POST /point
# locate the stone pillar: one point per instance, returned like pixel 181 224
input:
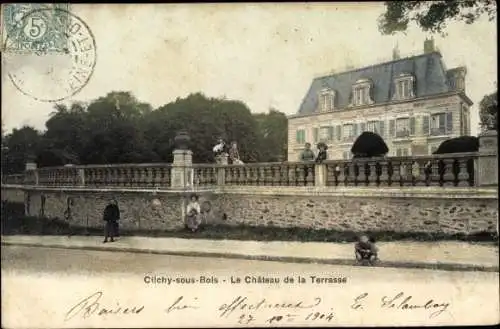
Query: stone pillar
pixel 81 176
pixel 320 174
pixel 487 162
pixel 182 169
pixel 222 160
pixel 30 171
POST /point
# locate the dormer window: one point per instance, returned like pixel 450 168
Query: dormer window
pixel 404 87
pixel 361 93
pixel 326 100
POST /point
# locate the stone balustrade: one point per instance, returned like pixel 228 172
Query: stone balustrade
pixel 271 174
pixel 458 169
pixel 154 175
pixel 17 179
pixel 437 170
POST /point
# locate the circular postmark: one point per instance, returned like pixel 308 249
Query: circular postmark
pixel 50 54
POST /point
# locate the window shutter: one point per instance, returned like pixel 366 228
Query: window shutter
pixel 382 128
pixel 330 133
pixel 315 134
pixel 298 136
pixel 392 128
pixel 363 127
pixel 412 126
pixel 449 122
pixel 355 129
pixel 339 133
pixel 426 125
pixel 398 152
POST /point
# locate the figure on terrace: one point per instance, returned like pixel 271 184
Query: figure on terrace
pixel 193 214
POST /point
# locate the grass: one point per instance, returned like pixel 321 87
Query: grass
pixel 14 222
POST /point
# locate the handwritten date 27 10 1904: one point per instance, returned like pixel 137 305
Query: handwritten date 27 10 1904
pixel 243 310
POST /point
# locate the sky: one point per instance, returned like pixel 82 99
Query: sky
pixel 265 55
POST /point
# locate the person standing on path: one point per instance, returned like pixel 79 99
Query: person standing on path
pixel 111 216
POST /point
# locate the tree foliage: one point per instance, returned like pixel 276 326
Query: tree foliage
pixel 433 16
pixel 118 128
pixel 488 112
pixel 273 132
pixel 19 147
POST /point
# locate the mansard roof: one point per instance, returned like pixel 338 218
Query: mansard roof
pixel 429 71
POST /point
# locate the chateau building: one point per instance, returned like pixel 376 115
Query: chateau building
pixel 414 103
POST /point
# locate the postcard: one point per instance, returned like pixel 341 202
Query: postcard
pixel 249 165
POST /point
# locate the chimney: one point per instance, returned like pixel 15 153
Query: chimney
pixel 429 46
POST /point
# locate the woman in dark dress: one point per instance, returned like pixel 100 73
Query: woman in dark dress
pixel 322 155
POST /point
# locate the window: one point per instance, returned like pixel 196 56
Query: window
pixel 433 148
pixel 346 155
pixel 441 124
pixel 404 87
pixel 326 100
pixel 301 136
pixel 402 152
pixel 361 93
pixel 331 133
pixel 348 132
pixel 372 126
pixel 324 134
pixel 403 127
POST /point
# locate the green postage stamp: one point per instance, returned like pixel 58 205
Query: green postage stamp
pixel 35 28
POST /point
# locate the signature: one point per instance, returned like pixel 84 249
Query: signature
pixel 242 303
pixel 91 306
pixel 179 305
pixel 403 302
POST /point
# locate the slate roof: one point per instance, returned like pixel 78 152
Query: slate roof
pixel 428 70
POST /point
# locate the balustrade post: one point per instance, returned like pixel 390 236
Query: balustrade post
pixel 462 176
pixel 486 166
pixel 31 169
pixel 448 177
pixel 384 172
pixel 373 177
pixel 81 176
pixel 221 170
pixel 320 174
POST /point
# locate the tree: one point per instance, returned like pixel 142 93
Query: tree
pixel 65 138
pixel 114 131
pixel 432 16
pixel 205 120
pixel 20 146
pixel 118 128
pixel 273 135
pixel 369 144
pixel 488 112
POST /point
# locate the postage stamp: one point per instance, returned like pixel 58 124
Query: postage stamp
pixel 49 53
pixel 35 27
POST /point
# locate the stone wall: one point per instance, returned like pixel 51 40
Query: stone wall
pixel 446 210
pixel 360 214
pixel 85 207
